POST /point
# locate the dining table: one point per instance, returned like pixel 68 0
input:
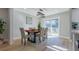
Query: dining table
pixel 33 32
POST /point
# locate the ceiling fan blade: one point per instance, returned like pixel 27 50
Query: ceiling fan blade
pixel 45 9
pixel 41 9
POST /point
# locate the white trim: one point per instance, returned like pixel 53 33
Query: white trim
pixel 13 40
pixel 73 42
pixel 68 38
pixel 58 18
pixel 58 25
pixel 16 38
pixel 65 37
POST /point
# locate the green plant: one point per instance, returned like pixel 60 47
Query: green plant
pixel 2 26
pixel 39 25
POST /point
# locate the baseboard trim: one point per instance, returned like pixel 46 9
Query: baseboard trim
pixel 65 37
pixel 14 39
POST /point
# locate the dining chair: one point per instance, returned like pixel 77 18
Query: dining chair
pixel 24 36
pixel 41 39
pixel 45 32
pixel 40 35
pixel 31 36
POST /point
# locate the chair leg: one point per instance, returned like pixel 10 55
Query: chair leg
pixel 24 41
pixel 39 39
pixel 21 40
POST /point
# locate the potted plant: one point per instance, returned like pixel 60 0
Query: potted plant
pixel 2 27
pixel 39 25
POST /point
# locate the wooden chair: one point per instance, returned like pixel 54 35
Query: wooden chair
pixel 41 39
pixel 39 36
pixel 42 35
pixel 24 37
pixel 45 33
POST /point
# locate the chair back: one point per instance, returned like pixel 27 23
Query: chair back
pixel 46 30
pixel 42 31
pixel 22 32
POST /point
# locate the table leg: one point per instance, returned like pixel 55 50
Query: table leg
pixel 34 37
pixel 28 37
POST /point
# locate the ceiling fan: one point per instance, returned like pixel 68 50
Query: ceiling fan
pixel 40 13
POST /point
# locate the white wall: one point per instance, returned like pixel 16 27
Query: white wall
pixel 19 20
pixel 75 15
pixel 65 23
pixel 11 26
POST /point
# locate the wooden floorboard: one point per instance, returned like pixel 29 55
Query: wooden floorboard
pixel 17 46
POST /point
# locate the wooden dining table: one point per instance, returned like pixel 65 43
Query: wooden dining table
pixel 34 32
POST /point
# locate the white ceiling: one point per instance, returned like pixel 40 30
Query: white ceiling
pixel 47 11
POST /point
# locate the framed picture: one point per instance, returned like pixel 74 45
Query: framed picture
pixel 28 20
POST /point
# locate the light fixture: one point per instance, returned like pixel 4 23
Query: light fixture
pixel 40 13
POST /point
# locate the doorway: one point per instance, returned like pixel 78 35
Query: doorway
pixel 53 27
pixel 54 42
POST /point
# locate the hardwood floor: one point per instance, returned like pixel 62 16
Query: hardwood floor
pixel 59 44
pixel 53 44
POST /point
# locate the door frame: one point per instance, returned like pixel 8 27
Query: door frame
pixel 51 18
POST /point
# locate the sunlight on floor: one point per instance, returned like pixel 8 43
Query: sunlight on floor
pixel 57 48
pixel 49 47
